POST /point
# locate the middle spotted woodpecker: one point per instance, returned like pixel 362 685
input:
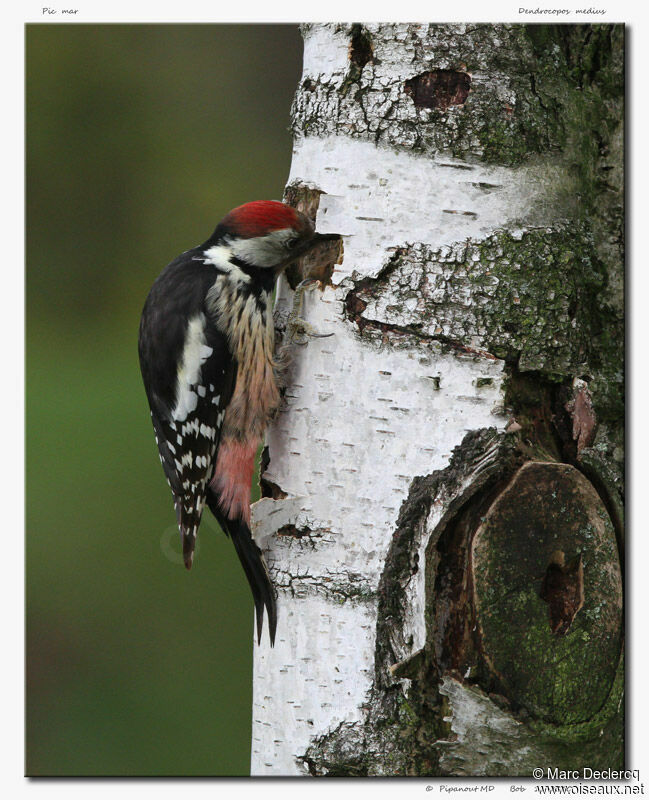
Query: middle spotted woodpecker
pixel 206 349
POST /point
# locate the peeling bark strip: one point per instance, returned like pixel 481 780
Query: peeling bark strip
pixel 322 263
pixel 474 173
pixel 583 415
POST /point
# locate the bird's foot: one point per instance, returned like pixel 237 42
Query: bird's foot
pixel 298 330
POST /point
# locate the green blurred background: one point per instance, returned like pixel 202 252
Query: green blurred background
pixel 139 139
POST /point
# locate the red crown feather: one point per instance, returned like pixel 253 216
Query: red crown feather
pixel 261 217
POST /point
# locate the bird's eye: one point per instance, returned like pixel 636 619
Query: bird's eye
pixel 290 243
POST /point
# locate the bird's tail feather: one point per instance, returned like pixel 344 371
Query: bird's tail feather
pixel 253 565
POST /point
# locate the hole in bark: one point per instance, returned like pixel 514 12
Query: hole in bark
pixel 268 488
pixel 264 461
pixel 563 591
pixel 354 307
pixel 320 262
pixel 293 532
pixel 361 46
pixel 440 88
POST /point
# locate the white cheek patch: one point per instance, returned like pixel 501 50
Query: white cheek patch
pixel 195 353
pixel 263 251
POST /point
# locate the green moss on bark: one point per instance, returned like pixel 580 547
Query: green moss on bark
pixel 533 299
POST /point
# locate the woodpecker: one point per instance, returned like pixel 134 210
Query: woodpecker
pixel 207 355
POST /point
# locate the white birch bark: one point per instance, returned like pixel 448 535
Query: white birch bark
pixel 366 414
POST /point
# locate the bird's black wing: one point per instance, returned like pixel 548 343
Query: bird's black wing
pixel 189 377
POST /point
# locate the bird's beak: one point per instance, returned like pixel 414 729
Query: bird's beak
pixel 310 244
pixel 324 237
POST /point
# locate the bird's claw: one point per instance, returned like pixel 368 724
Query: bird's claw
pixel 306 285
pixel 298 330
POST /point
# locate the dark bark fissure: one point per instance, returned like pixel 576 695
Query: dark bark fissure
pixel 390 332
pixel 453 639
pixel 563 591
pixel 360 52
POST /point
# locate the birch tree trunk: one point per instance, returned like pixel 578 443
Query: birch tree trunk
pixel 441 507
